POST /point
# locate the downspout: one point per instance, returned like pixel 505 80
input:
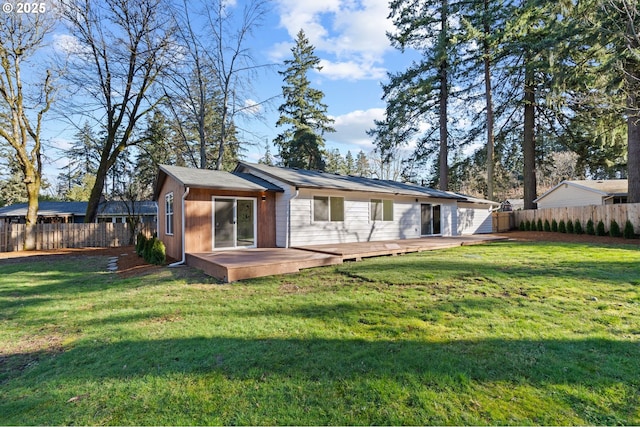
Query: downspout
pixel 182 215
pixel 289 218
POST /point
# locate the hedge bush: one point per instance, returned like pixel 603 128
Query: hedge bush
pixel 521 227
pixel 533 225
pixel 156 254
pixel 562 227
pixel 629 232
pixel 614 229
pixel 547 226
pixel 527 225
pixel 539 225
pixel 554 226
pixel 577 227
pixel 141 241
pixel 591 229
pixel 600 231
pixel 570 227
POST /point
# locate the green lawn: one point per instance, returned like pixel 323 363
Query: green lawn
pixel 507 333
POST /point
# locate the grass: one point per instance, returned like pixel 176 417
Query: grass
pixel 507 333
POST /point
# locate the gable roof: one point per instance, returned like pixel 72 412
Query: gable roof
pixel 206 178
pixel 605 188
pixel 302 178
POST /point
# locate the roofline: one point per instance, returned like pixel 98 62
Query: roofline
pixel 395 193
pixel 573 184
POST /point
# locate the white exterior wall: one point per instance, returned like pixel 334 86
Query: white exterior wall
pixel 568 195
pixel 474 219
pixel 282 208
pixel 357 226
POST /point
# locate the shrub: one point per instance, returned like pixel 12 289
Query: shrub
pixel 614 229
pixel 547 226
pixel 527 225
pixel 562 227
pixel 156 252
pixel 141 241
pixel 577 227
pixel 533 225
pixel 600 231
pixel 539 225
pixel 521 227
pixel 570 227
pixel 590 228
pixel 629 232
pixel 554 226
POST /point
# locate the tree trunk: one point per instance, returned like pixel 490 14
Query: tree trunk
pixel 633 141
pixel 529 143
pixel 33 188
pixel 489 100
pixel 443 157
pixel 96 194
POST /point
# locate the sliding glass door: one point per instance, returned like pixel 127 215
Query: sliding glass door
pixel 234 223
pixel 430 219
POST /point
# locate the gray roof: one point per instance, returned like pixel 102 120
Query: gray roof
pixel 206 178
pixel 604 187
pixel 322 180
pixel 52 209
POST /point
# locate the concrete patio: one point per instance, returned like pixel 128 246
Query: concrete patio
pixel 234 265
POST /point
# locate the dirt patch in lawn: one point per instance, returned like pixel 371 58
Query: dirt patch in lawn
pixel 546 236
pixel 129 263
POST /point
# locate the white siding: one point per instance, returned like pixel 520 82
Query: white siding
pixel 282 208
pixel 357 225
pixel 474 219
pixel 569 195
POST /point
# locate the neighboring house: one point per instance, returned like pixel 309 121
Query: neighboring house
pixel 585 193
pixel 265 206
pixel 74 212
pixel 510 205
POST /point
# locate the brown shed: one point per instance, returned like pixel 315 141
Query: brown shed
pixel 222 210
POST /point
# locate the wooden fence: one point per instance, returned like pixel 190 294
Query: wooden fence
pixel 605 213
pixel 502 221
pixel 59 236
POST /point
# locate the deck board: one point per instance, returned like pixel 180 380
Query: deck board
pixel 234 265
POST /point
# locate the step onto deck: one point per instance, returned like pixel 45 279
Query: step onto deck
pixel 231 266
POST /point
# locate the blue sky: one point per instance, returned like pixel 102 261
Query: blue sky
pixel 349 37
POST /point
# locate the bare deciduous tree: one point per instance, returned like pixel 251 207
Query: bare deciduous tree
pixel 122 46
pixel 23 103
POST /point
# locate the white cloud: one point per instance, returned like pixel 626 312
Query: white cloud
pixel 351 129
pixel 251 107
pixel 351 70
pixel 350 36
pixel 66 44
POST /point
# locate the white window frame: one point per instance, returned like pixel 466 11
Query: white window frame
pixel 381 202
pixel 168 214
pixel 329 210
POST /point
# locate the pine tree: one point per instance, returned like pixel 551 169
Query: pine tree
pixel 303 111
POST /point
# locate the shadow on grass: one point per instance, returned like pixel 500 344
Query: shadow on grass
pixel 592 364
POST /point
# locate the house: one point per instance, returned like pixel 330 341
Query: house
pixel 74 212
pixel 585 193
pixel 260 206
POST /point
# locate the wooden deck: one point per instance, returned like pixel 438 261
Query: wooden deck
pixel 357 251
pixel 230 266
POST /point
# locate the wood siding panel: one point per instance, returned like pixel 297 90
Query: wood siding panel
pixel 199 207
pixel 172 243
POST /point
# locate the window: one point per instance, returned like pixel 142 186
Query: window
pixel 381 210
pixel 168 213
pixel 328 208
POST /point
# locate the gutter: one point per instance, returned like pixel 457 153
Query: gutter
pixel 184 254
pixel 288 245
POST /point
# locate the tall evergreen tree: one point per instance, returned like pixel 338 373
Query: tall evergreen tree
pixel 303 111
